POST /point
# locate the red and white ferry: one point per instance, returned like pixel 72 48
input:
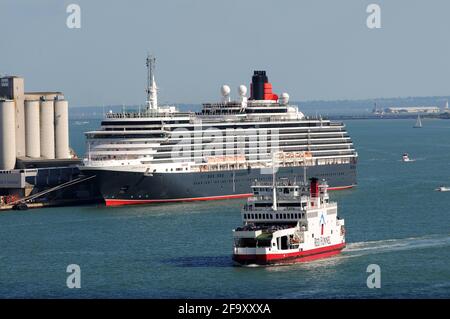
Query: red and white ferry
pixel 286 222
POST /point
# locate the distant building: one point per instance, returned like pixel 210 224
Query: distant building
pixel 413 109
pixel 445 108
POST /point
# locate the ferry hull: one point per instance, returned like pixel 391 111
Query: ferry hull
pixel 131 188
pixel 288 258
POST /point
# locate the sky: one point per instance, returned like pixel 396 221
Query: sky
pixel 314 50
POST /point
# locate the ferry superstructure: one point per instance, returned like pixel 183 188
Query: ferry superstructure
pixel 163 155
pixel 288 222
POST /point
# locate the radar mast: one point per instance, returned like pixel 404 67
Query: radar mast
pixel 152 95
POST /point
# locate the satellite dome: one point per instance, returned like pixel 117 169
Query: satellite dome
pixel 225 89
pixel 242 90
pixel 284 98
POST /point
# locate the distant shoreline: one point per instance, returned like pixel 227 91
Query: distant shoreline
pixel 442 116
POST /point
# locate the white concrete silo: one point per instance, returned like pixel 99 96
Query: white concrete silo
pixel 47 129
pixel 32 130
pixel 62 129
pixel 7 134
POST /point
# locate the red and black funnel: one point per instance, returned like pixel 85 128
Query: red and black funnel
pixel 260 88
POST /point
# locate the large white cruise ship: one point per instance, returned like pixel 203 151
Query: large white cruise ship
pixel 162 155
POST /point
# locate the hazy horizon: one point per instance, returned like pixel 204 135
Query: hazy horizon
pixel 314 50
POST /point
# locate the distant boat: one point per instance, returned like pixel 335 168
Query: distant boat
pixel 405 158
pixel 81 122
pixel 418 122
pixel 443 189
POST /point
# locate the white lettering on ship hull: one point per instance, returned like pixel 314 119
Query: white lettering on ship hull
pixel 322 241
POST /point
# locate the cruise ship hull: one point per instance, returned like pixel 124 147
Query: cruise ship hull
pixel 130 188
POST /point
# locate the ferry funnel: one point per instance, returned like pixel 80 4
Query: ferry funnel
pixel 314 187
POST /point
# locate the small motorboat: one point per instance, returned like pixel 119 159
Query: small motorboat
pixel 405 158
pixel 443 189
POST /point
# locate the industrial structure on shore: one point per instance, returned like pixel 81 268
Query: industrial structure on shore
pixel 404 110
pixel 34 145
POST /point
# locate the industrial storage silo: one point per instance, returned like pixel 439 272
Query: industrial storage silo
pixel 7 134
pixel 47 129
pixel 62 129
pixel 32 130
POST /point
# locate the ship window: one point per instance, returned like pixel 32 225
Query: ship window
pixel 284 242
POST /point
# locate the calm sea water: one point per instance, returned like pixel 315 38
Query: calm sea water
pixel 394 219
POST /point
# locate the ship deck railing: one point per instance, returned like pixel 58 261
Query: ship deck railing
pixel 146 114
pixel 281 183
pixel 283 197
pixel 265 227
pixel 279 209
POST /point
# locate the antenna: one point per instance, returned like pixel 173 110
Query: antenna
pixel 152 99
pixel 304 173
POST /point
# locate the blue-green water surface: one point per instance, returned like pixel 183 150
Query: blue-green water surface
pixel 394 219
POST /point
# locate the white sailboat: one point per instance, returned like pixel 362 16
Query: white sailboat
pixel 418 122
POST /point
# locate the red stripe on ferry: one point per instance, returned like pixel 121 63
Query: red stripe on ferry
pixel 308 255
